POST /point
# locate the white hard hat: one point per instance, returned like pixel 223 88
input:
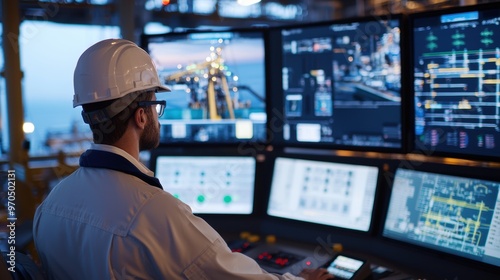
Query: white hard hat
pixel 111 69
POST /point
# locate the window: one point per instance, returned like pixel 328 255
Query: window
pixel 49 53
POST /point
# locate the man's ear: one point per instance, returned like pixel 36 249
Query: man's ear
pixel 140 118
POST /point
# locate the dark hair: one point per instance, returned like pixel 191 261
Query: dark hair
pixel 110 131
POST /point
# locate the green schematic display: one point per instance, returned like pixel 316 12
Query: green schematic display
pixel 209 184
pixel 456 61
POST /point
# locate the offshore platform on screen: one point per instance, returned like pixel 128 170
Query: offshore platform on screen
pixel 218 86
pixel 209 88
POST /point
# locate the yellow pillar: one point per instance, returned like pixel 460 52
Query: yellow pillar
pixel 13 76
pixel 18 156
pixel 212 103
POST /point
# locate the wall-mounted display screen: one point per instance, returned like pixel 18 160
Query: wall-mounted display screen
pixel 209 184
pixel 341 84
pixel 456 80
pixel 218 82
pixel 328 193
pixel 456 215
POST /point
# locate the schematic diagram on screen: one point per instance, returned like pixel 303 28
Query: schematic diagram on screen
pixel 445 211
pixel 456 82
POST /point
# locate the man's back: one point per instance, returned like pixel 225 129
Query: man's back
pixel 104 224
pixel 91 208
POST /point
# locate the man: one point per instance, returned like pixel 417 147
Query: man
pixel 111 219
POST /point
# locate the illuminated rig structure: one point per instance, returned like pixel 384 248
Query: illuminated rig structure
pixel 215 96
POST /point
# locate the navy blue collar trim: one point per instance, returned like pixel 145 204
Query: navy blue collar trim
pixel 108 160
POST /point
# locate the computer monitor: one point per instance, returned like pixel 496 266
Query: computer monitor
pixel 328 193
pixel 218 82
pixel 341 84
pixel 452 214
pixel 456 81
pixel 209 184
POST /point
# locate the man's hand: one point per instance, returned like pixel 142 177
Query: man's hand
pixel 315 274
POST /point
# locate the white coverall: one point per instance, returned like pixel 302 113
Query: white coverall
pixel 100 223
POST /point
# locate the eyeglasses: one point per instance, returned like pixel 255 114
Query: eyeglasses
pixel 159 105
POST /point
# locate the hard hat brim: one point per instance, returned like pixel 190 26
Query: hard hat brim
pixel 162 88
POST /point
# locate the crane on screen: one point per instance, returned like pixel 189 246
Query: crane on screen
pixel 214 71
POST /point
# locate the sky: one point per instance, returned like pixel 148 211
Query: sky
pixel 237 51
pixel 49 53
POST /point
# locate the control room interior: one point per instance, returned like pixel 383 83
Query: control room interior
pixel 317 130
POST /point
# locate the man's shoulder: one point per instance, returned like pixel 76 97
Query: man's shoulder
pixel 109 201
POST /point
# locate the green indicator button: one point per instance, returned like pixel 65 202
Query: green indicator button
pixel 228 199
pixel 201 198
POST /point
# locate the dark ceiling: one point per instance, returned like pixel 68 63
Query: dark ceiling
pixel 83 12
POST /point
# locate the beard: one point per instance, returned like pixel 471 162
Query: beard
pixel 150 138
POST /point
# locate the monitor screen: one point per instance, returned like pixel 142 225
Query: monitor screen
pixel 218 82
pixel 456 215
pixel 328 193
pixel 341 84
pixel 456 82
pixel 209 184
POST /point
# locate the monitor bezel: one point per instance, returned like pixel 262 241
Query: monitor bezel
pixel 324 156
pixel 468 171
pixel 413 146
pixel 278 117
pixel 145 38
